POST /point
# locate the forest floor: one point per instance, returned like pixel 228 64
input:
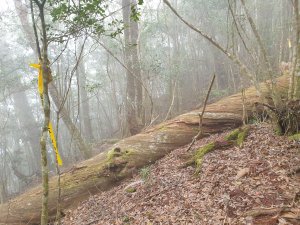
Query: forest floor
pixel 235 186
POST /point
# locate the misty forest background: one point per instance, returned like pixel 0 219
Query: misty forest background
pixel 116 79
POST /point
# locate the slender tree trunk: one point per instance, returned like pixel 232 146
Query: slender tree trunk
pixel 295 86
pixel 28 124
pixel 136 67
pixel 131 117
pixel 53 92
pixel 113 93
pixel 84 104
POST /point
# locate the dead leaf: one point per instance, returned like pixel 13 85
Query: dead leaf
pixel 243 172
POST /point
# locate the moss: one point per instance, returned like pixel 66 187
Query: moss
pixel 163 128
pixel 233 135
pixel 295 137
pixel 130 190
pixel 278 130
pixel 238 135
pixel 242 136
pixel 198 156
pixel 145 173
pixel 116 161
pixel 126 219
pixel 116 152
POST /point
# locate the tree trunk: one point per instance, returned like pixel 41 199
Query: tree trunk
pixel 108 168
pixel 131 116
pixel 84 103
pixel 22 11
pixel 136 67
pixel 28 124
pixel 295 87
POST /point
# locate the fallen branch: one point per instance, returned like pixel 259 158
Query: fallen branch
pixel 200 133
pixel 268 211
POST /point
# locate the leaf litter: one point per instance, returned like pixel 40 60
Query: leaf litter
pixel 234 187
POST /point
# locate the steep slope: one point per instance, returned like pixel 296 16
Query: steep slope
pixel 234 187
pixel 109 168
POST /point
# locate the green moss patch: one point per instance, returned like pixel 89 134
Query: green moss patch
pixel 242 136
pixel 117 159
pixel 233 135
pixel 200 153
pixel 295 137
pixel 238 135
pixel 130 190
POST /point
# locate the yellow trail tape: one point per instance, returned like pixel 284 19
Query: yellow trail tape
pixel 53 140
pixel 50 128
pixel 40 77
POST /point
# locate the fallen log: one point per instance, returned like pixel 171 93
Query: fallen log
pixel 108 168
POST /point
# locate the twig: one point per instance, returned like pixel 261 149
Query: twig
pixel 267 211
pixel 202 113
pixel 172 102
pixel 245 119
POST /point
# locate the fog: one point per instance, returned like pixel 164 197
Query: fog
pixel 113 84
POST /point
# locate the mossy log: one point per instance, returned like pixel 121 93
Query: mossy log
pixel 238 135
pixel 197 158
pixel 108 168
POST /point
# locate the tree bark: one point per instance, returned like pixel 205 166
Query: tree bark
pixel 105 171
pixel 136 66
pixel 295 87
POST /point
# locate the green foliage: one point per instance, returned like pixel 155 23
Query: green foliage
pixel 88 16
pixel 145 173
pixel 135 14
pixel 93 87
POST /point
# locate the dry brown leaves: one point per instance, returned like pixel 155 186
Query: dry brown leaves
pixel 232 182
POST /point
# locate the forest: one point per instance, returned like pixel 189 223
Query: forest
pixel 149 112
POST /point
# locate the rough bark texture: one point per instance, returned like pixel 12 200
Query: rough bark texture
pixel 108 168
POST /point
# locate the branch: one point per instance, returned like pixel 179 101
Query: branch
pixel 130 73
pixel 202 113
pixel 259 41
pixel 35 30
pixel 232 57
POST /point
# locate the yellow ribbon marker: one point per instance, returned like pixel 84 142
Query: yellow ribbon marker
pixel 50 128
pixel 53 140
pixel 40 77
